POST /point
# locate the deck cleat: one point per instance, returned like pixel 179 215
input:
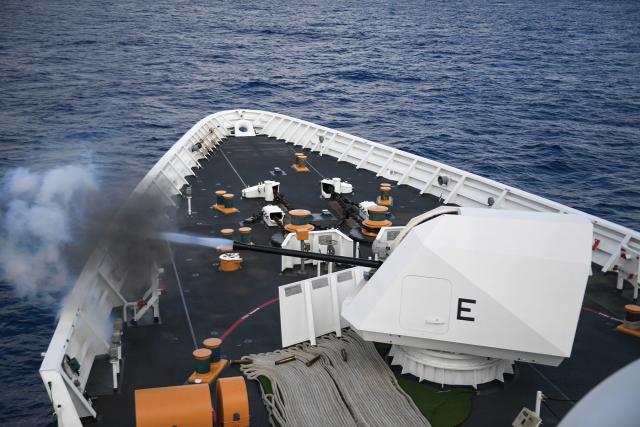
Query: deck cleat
pixel 631 325
pixel 219 199
pixel 385 199
pixel 300 163
pixel 202 373
pixel 245 234
pixel 227 207
pixel 216 364
pixel 230 261
pixel 300 226
pixel 227 233
pixel 376 220
pixel 299 221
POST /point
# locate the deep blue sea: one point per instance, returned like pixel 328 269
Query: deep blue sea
pixel 541 95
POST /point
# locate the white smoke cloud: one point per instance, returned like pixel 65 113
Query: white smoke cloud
pixel 39 211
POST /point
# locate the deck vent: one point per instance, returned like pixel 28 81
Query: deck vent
pixel 443 180
pixel 491 201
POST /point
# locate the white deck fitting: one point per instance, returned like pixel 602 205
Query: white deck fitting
pixel 339 186
pixel 98 288
pixel 343 246
pixel 262 190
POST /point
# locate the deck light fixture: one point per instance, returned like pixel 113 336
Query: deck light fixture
pixel 443 180
pixel 188 193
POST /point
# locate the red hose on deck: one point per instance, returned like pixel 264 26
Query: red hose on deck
pixel 599 313
pixel 246 316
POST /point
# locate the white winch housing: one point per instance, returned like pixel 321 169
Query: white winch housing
pixel 334 185
pixel 271 215
pixel 267 190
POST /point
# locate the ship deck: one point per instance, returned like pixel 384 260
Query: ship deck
pixel 202 302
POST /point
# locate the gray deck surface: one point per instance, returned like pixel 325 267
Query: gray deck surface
pixel 160 354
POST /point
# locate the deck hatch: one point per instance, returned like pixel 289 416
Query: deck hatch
pixel 425 304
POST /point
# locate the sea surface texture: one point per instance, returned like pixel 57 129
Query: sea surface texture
pixel 540 95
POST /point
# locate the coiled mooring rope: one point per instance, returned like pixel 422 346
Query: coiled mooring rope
pixel 358 391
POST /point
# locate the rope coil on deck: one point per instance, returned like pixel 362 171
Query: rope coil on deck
pixel 358 391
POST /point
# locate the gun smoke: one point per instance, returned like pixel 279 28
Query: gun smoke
pixel 53 220
pixel 188 239
pixel 39 210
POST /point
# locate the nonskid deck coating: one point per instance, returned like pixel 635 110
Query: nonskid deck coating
pixel 160 354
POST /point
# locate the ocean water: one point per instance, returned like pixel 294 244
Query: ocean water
pixel 541 95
